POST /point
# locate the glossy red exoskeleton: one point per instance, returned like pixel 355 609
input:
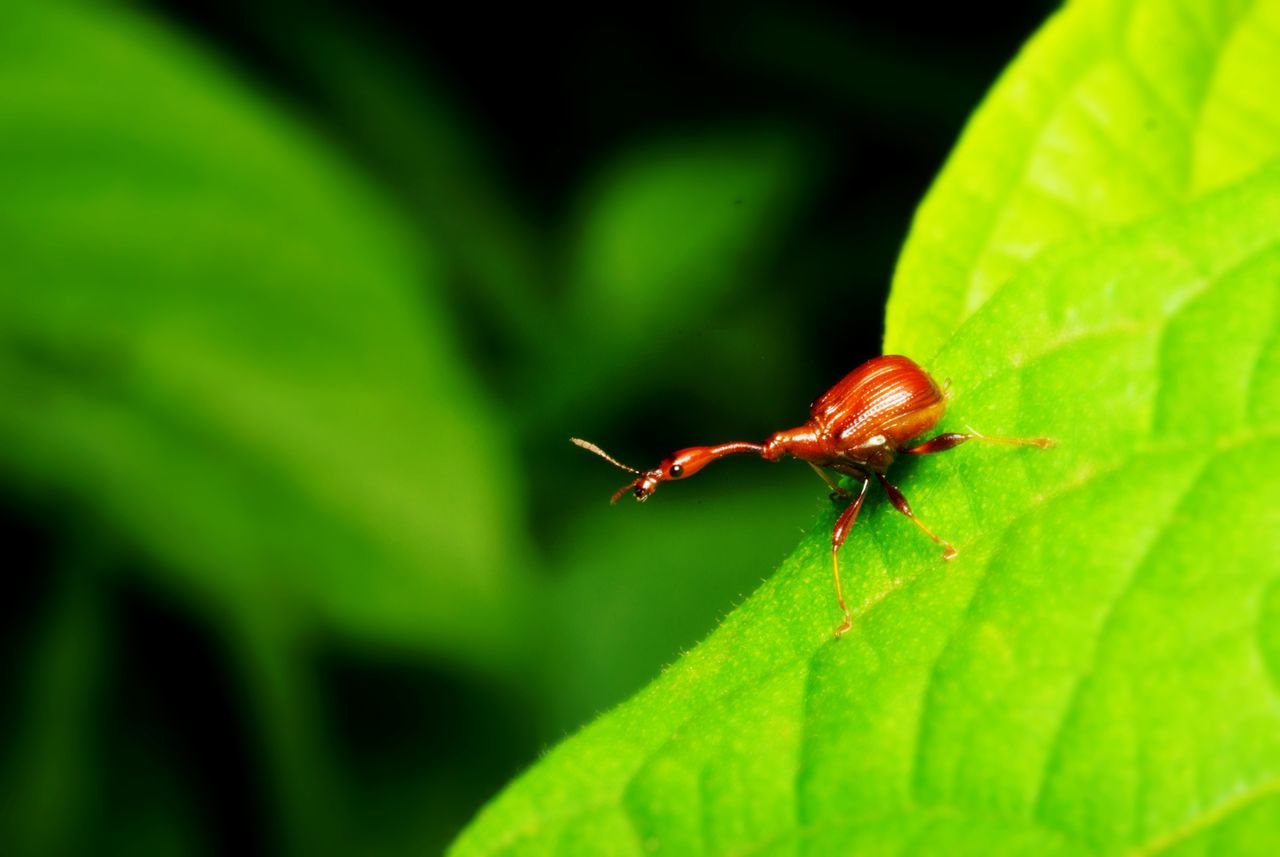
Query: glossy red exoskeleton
pixel 855 429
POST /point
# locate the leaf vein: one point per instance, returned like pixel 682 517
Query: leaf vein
pixel 1105 627
pixel 1205 820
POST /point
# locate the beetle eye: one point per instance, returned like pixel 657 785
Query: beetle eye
pixel 675 471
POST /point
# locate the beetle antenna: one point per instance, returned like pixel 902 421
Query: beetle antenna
pixel 591 447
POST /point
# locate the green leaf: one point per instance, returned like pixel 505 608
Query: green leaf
pixel 214 336
pixel 45 811
pixel 430 155
pixel 664 235
pixel 1117 112
pixel 678 219
pixel 1099 670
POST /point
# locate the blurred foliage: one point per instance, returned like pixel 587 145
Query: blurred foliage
pixel 1096 673
pixel 300 305
pixel 230 350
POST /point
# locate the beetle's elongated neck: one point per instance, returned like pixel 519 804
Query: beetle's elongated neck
pixel 689 461
pixel 734 448
pixel 685 462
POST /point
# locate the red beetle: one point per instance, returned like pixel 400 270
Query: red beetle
pixel 855 429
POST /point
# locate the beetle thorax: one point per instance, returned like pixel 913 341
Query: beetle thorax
pixel 803 442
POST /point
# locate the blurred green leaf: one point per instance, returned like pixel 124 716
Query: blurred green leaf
pixel 309 809
pixel 434 159
pixel 1100 669
pixel 665 233
pixel 668 229
pixel 47 773
pixel 214 336
pixel 1119 112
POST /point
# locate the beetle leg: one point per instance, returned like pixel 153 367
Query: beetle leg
pixel 951 440
pixel 844 524
pixel 900 503
pixel 838 494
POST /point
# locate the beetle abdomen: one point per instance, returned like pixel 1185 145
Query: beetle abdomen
pixel 889 395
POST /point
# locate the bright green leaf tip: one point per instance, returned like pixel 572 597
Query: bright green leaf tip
pixel 1100 669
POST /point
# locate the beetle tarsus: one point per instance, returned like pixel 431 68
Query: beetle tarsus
pixel 845 625
pixel 951 440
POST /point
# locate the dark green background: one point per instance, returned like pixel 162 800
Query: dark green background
pixel 160 745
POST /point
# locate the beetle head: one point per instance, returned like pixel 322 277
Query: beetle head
pixel 681 465
pixel 642 487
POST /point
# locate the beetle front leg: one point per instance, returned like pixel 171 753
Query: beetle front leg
pixel 951 440
pixel 844 524
pixel 900 503
pixel 838 494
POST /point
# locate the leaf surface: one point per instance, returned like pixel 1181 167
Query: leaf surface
pixel 1116 112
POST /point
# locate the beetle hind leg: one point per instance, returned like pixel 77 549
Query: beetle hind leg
pixel 951 440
